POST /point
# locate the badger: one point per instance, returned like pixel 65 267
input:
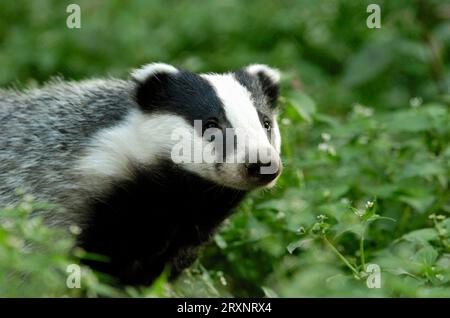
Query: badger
pixel 102 152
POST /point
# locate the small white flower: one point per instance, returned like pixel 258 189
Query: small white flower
pixel 223 281
pixel 332 151
pixel 415 102
pixel 362 110
pixel 300 230
pixel 325 136
pixel 369 204
pixel 323 147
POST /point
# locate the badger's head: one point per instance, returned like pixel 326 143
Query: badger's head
pixel 222 127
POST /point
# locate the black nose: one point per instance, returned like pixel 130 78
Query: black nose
pixel 263 172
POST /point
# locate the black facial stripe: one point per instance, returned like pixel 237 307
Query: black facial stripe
pixel 185 94
pixel 254 85
pixel 271 89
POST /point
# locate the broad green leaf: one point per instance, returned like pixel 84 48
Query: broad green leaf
pixel 420 203
pixel 421 236
pixel 426 255
pixel 303 104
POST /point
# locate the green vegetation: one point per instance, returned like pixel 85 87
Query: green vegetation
pixel 365 123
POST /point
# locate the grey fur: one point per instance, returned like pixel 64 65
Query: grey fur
pixel 45 131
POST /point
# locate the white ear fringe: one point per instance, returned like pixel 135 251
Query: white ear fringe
pixel 144 72
pixel 272 73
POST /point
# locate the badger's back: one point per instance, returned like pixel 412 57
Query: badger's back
pixel 44 131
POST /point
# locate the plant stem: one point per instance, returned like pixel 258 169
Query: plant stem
pixel 361 250
pixel 342 257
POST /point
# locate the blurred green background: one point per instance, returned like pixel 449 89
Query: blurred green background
pixel 365 125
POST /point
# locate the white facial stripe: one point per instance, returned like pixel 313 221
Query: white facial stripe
pixel 239 108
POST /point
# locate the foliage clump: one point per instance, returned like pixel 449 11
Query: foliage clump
pixel 365 125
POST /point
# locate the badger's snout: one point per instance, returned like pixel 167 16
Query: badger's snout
pixel 263 170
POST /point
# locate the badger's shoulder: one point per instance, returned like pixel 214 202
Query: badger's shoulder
pixel 46 129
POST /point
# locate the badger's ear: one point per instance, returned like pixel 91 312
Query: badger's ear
pixel 152 83
pixel 269 79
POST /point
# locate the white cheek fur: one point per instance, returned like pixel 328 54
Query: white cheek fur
pixel 140 139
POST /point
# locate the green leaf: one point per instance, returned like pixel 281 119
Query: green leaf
pixel 420 203
pixel 399 272
pixel 342 228
pixel 377 217
pixel 421 236
pixel 269 293
pixel 298 244
pixel 406 121
pixel 426 255
pixel 220 241
pixel 303 104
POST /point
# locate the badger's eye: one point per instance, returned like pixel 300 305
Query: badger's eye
pixel 210 124
pixel 267 125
